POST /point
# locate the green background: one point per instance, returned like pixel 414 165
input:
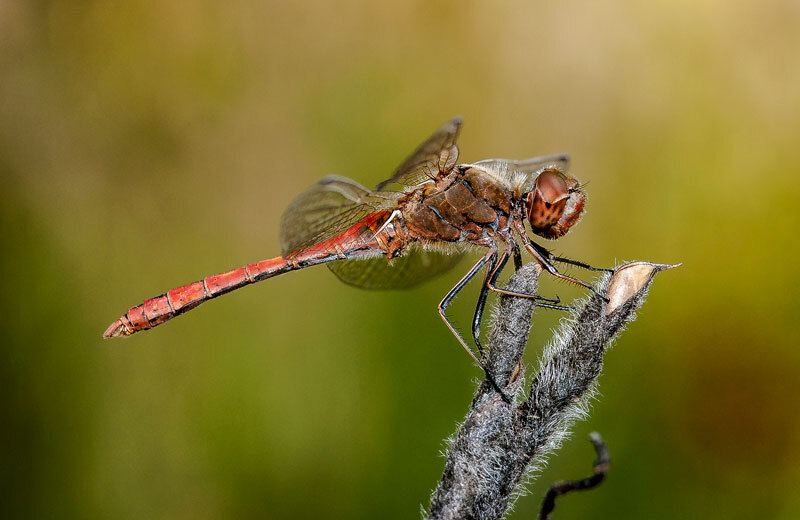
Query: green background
pixel 145 144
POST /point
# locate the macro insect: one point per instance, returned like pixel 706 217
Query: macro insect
pixel 411 227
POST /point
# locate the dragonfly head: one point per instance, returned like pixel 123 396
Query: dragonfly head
pixel 554 204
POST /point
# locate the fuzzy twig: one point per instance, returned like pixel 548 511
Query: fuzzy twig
pixel 499 442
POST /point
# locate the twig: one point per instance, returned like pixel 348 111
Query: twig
pixel 498 442
pixel 600 468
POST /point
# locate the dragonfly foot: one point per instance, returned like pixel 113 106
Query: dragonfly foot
pixel 555 307
pixel 490 378
pixel 554 301
pixel 604 298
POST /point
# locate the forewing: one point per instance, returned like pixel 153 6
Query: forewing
pixel 528 167
pixel 438 153
pixel 406 271
pixel 326 209
pixel 536 164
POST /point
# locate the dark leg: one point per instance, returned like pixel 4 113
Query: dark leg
pixel 517 255
pixel 544 259
pixel 490 284
pixel 550 256
pixel 449 298
pixel 476 320
pixel 580 264
pixel 493 271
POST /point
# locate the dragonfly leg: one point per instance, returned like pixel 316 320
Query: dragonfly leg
pixel 451 294
pixel 570 261
pixel 581 264
pixel 493 271
pixel 476 321
pixel 540 301
pixel 544 259
pixel 517 255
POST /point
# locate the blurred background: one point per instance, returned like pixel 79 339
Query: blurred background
pixel 146 144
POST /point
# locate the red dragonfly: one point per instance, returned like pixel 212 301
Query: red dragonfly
pixel 411 227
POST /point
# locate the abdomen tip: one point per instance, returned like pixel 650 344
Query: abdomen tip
pixel 117 329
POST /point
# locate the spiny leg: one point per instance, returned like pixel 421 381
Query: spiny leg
pixel 550 256
pixel 547 264
pixel 493 271
pixel 555 272
pixel 451 294
pixel 582 265
pixel 490 284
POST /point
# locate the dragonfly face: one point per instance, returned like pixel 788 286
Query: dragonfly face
pixel 554 204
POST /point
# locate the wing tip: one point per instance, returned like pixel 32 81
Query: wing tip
pixel 455 123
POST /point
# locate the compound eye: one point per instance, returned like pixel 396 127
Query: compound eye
pixel 551 186
pixel 547 200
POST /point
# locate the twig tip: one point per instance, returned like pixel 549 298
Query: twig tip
pixel 628 279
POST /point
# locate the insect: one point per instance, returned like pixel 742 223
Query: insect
pixel 411 227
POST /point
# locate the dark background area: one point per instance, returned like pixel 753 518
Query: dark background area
pixel 144 145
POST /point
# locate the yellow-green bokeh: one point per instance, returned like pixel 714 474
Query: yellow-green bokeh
pixel 145 144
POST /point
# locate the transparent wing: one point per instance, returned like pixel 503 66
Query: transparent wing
pixel 406 271
pixel 329 207
pixel 530 167
pixel 535 164
pixel 437 154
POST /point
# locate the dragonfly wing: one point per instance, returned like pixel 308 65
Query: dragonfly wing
pixel 531 168
pixel 329 207
pixel 438 153
pixel 413 268
pixel 536 164
pixel 528 166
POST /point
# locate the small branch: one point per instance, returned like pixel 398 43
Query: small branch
pixel 600 468
pixel 498 442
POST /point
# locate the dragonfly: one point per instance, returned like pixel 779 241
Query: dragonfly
pixel 412 227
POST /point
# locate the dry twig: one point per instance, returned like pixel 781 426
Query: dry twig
pixel 499 442
pixel 599 470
